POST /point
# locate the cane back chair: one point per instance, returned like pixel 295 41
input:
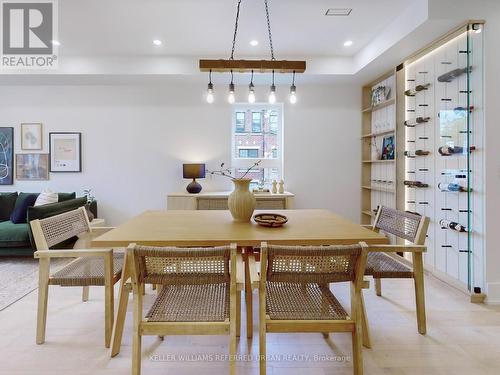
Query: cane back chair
pixel 407 226
pixel 197 294
pixel 294 294
pixel 92 267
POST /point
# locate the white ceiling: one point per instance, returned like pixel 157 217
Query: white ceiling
pixel 204 28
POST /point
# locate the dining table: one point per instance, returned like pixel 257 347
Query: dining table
pixel 206 228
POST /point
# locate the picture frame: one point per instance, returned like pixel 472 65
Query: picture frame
pixel 34 167
pixel 388 148
pixel 65 150
pixel 6 156
pixel 31 136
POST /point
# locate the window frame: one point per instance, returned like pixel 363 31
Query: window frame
pixel 244 163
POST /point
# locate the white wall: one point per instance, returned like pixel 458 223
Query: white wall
pixel 135 139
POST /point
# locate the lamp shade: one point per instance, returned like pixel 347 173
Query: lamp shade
pixel 193 170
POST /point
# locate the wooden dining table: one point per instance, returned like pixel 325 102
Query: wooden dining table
pixel 215 228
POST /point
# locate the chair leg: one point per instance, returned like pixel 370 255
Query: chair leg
pixel 232 346
pixel 125 288
pixel 85 294
pixel 109 308
pixel 43 293
pixel 238 313
pixel 262 347
pixel 418 275
pixel 143 289
pixel 378 287
pixel 357 355
pixel 136 335
pixel 248 301
pixel 325 335
pixel 367 342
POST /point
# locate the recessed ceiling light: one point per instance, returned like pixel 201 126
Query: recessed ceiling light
pixel 254 43
pixel 157 42
pixel 338 12
pixel 348 43
pixel 56 43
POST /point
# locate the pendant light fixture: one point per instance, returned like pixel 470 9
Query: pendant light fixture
pixel 230 97
pixel 247 66
pixel 293 91
pixel 272 93
pixel 251 91
pixel 210 89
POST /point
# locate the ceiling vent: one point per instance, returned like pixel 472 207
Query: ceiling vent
pixel 338 12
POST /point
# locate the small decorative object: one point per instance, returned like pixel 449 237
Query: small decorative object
pixel 241 201
pixel 388 148
pixel 281 189
pixel 193 171
pixel 31 136
pixel 90 200
pixel 65 152
pixel 6 156
pixel 275 187
pixel 270 220
pixel 32 166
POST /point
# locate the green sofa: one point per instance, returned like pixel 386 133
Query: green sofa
pixel 17 239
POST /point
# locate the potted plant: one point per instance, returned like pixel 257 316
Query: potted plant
pixel 241 201
pixel 90 199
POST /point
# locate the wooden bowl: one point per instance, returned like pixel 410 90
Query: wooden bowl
pixel 270 220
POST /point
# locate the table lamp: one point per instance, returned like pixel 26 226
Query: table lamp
pixel 193 171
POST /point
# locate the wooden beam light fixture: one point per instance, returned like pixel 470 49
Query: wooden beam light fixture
pixel 250 66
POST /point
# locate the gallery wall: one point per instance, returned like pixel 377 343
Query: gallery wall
pixel 136 137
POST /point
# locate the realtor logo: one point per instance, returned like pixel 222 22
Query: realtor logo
pixel 27 33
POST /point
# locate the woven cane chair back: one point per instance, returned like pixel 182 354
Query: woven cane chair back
pixel 173 266
pixel 312 264
pixel 62 227
pixel 399 223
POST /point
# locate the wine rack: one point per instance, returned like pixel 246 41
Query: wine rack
pixel 378 178
pixel 443 115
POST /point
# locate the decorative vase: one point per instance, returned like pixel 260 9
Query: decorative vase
pixel 241 201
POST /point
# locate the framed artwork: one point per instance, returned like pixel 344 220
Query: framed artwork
pixel 32 166
pixel 31 136
pixel 65 152
pixel 388 148
pixel 6 156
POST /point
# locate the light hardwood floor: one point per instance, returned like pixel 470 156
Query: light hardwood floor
pixel 462 338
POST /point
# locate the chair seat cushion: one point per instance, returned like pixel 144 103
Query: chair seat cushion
pixel 191 303
pixel 383 266
pixel 300 301
pixel 14 235
pixel 86 271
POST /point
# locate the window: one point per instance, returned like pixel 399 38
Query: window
pixel 261 140
pixel 248 153
pixel 256 122
pixel 240 122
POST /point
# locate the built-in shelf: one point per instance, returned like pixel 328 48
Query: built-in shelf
pixel 381 105
pixel 379 161
pixel 368 213
pixel 376 188
pixel 385 132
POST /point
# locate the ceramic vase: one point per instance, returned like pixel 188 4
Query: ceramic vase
pixel 241 201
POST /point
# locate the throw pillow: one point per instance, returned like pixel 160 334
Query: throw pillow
pixel 23 201
pixel 66 196
pixel 47 196
pixel 7 202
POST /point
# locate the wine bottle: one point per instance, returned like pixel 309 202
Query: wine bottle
pixel 449 76
pixel 447 150
pixel 417 153
pixel 418 88
pixel 416 184
pixel 418 120
pixel 452 225
pixel 452 187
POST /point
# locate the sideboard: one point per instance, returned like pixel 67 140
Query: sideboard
pixel 218 201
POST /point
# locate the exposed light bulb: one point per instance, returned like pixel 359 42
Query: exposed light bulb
pixel 293 91
pixel 272 95
pixel 348 43
pixel 210 93
pixel 251 95
pixel 157 42
pixel 230 97
pixel 254 43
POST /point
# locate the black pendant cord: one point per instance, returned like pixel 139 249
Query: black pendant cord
pixel 269 30
pixel 235 29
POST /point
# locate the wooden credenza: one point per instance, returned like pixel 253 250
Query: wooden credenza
pixel 218 201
